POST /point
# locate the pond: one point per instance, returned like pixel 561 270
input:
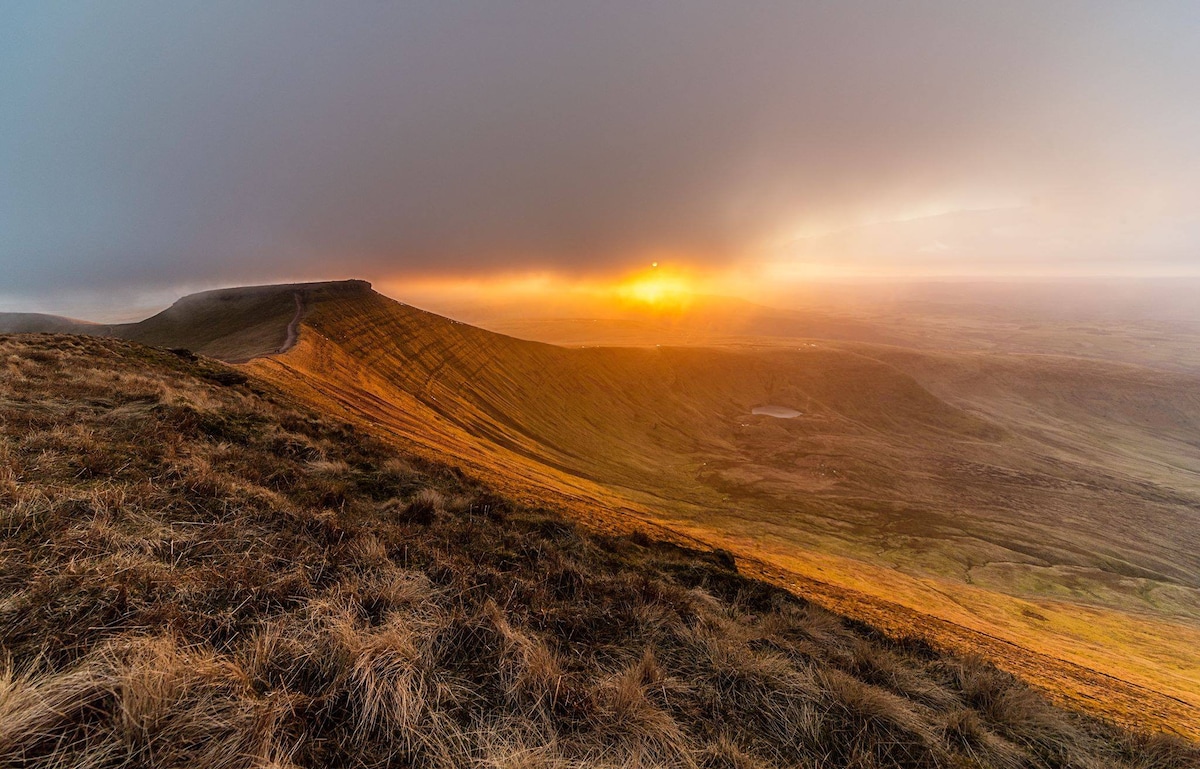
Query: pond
pixel 779 412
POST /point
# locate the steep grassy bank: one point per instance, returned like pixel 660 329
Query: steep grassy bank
pixel 196 572
pixel 1009 526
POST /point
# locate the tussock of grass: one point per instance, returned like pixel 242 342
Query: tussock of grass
pixel 196 573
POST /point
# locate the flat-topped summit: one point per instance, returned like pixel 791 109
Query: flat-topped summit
pixel 327 287
pixel 239 324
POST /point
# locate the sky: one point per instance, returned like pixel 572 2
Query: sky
pixel 149 147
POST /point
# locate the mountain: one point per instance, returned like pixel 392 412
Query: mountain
pixel 233 325
pixel 1038 509
pixel 198 571
pixel 35 322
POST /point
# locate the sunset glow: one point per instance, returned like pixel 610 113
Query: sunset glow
pixel 664 289
pixel 659 287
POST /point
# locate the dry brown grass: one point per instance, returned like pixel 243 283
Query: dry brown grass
pixel 195 572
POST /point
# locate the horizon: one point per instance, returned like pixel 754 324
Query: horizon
pixel 1141 298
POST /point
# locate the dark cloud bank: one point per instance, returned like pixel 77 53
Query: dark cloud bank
pixel 160 143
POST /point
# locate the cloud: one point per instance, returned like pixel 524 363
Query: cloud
pixel 156 144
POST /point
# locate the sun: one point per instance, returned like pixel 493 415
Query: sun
pixel 658 287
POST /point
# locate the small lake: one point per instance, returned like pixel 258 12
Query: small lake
pixel 779 412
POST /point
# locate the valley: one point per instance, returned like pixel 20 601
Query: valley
pixel 1037 509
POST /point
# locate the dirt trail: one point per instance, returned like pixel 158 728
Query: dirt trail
pixel 293 329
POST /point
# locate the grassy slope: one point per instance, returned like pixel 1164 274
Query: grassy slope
pixel 909 492
pixel 877 462
pixel 878 476
pixel 234 325
pixel 197 572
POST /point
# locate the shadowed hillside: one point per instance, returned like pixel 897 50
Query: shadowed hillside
pixel 36 322
pixel 234 325
pixel 197 571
